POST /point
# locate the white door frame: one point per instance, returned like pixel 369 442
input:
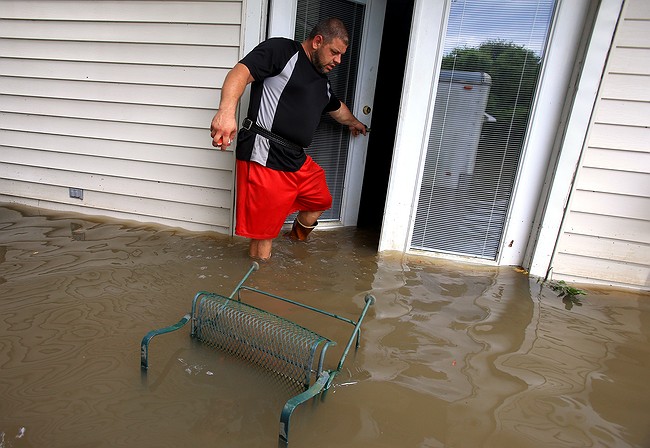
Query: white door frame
pixel 413 122
pixel 253 29
pixel 282 18
pixel 548 223
pixel 282 24
pixel 546 123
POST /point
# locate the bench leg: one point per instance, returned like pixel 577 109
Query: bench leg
pixel 294 402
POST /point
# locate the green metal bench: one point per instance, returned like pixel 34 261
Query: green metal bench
pixel 285 348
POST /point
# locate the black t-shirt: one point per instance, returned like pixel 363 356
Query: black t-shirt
pixel 288 98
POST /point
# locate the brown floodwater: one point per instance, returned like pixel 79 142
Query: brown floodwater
pixel 452 355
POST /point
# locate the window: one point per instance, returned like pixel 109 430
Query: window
pixel 494 50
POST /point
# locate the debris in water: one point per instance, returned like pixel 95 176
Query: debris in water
pixel 21 433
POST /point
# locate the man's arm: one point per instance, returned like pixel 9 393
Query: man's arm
pixel 345 117
pixel 224 125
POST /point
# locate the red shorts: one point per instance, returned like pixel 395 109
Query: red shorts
pixel 265 197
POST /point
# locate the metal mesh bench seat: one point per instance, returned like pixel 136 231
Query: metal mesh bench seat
pixel 258 336
pixel 294 353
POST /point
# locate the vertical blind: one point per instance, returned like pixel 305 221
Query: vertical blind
pixel 330 145
pixel 490 72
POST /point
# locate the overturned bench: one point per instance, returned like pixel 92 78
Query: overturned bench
pixel 293 352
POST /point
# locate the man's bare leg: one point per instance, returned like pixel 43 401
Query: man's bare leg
pixel 260 249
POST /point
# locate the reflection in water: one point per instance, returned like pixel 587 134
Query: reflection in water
pixel 452 355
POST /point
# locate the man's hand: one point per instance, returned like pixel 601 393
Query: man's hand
pixel 223 129
pixel 358 128
pixel 345 117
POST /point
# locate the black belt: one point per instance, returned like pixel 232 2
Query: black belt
pixel 250 126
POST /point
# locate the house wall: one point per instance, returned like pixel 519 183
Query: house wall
pixel 116 98
pixel 605 237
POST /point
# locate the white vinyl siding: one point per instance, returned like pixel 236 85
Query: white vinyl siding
pixel 606 234
pixel 116 98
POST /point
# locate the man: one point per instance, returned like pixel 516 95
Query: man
pixel 289 93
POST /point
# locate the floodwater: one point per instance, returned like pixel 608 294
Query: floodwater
pixel 452 355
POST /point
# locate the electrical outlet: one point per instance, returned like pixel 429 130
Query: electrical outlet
pixel 77 193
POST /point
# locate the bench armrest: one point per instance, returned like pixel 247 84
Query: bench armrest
pixel 144 345
pixel 294 402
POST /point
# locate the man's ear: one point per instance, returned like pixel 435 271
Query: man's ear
pixel 318 41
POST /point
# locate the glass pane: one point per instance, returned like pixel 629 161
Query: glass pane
pixel 490 70
pixel 330 145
